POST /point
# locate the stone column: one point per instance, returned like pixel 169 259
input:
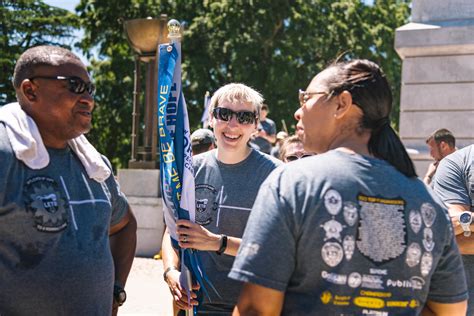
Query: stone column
pixel 437 91
pixel 142 188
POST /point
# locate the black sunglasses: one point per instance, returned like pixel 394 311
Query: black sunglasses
pixel 75 84
pixel 295 157
pixel 243 117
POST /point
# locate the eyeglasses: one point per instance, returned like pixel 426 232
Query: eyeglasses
pixel 296 157
pixel 243 117
pixel 304 96
pixel 75 84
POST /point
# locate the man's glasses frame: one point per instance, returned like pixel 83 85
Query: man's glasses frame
pixel 243 117
pixel 304 96
pixel 75 84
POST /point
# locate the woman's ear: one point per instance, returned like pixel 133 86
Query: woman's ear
pixel 344 104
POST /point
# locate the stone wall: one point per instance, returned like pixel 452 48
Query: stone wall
pixel 437 91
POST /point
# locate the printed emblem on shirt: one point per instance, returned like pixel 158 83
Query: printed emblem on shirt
pixel 426 263
pixel 381 233
pixel 428 242
pixel 332 253
pixel 206 204
pixel 44 200
pixel 332 202
pixel 428 213
pixel 350 213
pixel 413 255
pixel 415 221
pixel 349 245
pixel 333 229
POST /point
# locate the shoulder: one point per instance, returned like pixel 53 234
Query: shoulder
pixel 456 164
pixel 265 160
pixel 6 151
pixel 204 158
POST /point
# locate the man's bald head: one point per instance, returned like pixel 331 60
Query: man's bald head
pixel 38 56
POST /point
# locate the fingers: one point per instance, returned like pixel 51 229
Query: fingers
pixel 182 300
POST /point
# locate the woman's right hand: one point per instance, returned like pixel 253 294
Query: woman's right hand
pixel 179 294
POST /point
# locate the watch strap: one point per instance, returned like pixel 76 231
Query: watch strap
pixel 165 274
pixel 223 246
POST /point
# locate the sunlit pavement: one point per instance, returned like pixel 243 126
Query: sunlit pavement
pixel 147 292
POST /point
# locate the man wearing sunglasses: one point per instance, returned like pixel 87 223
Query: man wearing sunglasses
pixel 67 234
pixel 227 181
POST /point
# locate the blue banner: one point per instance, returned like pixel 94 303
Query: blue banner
pixel 176 167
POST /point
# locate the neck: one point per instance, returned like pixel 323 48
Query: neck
pixel 52 142
pixel 356 144
pixel 233 157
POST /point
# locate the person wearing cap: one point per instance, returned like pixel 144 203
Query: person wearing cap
pixel 227 180
pixel 280 137
pixel 264 137
pixel 202 140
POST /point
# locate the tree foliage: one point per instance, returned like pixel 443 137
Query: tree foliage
pixel 275 46
pixel 26 24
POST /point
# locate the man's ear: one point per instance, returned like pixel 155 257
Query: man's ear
pixel 344 104
pixel 28 90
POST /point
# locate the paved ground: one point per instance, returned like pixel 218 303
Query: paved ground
pixel 147 292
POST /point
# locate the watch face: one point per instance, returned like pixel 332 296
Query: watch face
pixel 465 218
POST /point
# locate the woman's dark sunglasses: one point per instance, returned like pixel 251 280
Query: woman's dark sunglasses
pixel 243 117
pixel 295 157
pixel 75 84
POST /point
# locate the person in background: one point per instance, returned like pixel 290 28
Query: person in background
pixel 454 184
pixel 202 140
pixel 67 234
pixel 227 180
pixel 360 233
pixel 264 137
pixel 441 144
pixel 280 137
pixel 292 149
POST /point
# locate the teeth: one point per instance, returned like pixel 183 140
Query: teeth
pixel 231 136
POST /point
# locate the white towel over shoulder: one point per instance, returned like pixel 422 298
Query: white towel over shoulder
pixel 28 146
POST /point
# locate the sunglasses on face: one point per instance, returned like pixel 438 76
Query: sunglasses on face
pixel 75 84
pixel 296 157
pixel 243 117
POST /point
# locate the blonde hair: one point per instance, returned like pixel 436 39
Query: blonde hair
pixel 236 93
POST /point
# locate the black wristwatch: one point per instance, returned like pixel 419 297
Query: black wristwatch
pixel 120 296
pixel 223 246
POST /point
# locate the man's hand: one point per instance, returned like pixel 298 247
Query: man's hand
pixel 192 235
pixel 179 294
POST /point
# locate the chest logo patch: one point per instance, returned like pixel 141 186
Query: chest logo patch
pixel 44 200
pixel 382 231
pixel 206 204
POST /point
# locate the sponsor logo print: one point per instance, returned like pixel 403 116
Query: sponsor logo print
pixel 415 283
pixel 334 277
pixel 354 280
pixel 326 297
pixel 369 302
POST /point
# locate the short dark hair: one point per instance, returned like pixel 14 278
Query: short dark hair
pixel 265 107
pixel 201 148
pixel 443 135
pixel 34 57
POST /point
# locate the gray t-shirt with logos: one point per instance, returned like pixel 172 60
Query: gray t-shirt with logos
pixel 225 194
pixel 345 234
pixel 454 183
pixel 54 242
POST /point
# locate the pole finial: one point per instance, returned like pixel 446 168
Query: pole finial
pixel 174 28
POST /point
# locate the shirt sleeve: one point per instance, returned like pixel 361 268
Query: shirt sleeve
pixel 268 236
pixel 118 200
pixel 448 283
pixel 450 182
